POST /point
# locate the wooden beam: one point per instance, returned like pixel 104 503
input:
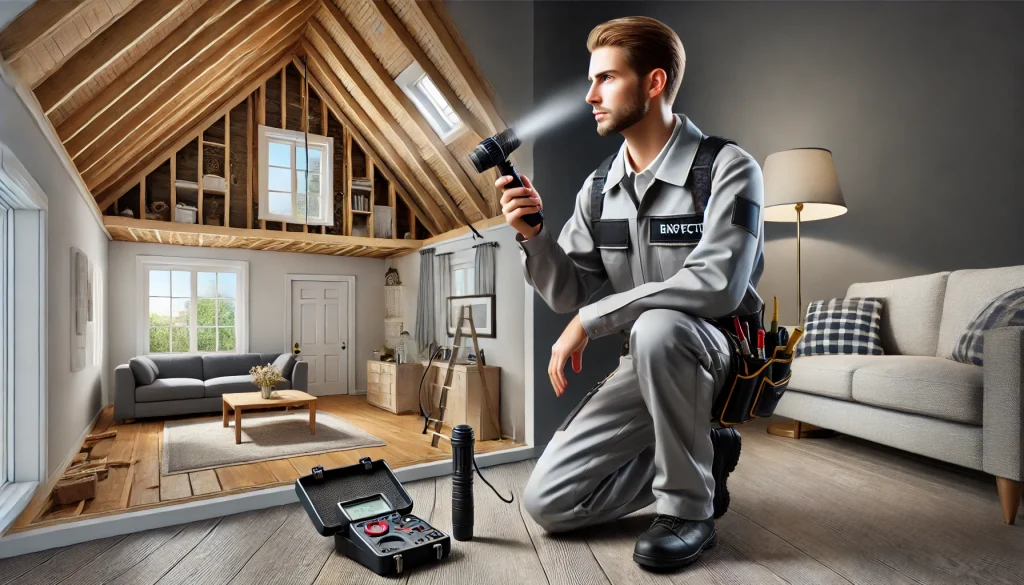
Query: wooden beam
pixel 227 168
pixel 423 170
pixel 194 96
pixel 481 127
pixel 193 60
pixel 174 177
pixel 284 99
pixel 102 50
pixel 381 244
pixel 446 32
pixel 37 21
pixel 261 120
pixel 452 166
pixel 113 190
pixel 168 49
pixel 438 220
pixel 199 192
pixel 248 163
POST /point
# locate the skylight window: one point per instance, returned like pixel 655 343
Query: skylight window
pixel 423 92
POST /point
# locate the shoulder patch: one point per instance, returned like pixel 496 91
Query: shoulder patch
pixel 746 214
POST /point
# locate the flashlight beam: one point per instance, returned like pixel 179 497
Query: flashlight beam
pixel 451 165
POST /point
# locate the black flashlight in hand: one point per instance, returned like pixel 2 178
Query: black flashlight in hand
pixel 494 151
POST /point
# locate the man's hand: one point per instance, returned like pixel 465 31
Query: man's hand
pixel 571 343
pixel 517 202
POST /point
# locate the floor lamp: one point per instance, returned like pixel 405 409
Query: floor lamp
pixel 800 185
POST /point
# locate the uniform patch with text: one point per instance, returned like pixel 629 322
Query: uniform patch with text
pixel 677 230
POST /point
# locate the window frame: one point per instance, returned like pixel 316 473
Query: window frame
pixel 409 80
pixel 464 260
pixel 296 139
pixel 144 264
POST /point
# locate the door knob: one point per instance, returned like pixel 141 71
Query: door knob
pixel 343 346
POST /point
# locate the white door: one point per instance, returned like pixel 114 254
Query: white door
pixel 320 327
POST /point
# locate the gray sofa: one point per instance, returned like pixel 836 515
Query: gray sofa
pixel 916 398
pixel 189 383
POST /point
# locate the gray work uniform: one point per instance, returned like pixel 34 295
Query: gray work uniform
pixel 643 434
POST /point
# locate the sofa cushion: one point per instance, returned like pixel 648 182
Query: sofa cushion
pixel 1006 310
pixel 828 375
pixel 218 365
pixel 842 327
pixel 285 363
pixel 925 385
pixel 179 365
pixel 144 370
pixel 231 384
pixel 966 293
pixel 170 389
pixel 913 311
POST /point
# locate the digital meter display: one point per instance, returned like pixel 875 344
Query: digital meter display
pixel 376 506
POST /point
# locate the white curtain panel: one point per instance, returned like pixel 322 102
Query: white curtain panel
pixel 426 307
pixel 443 286
pixel 483 268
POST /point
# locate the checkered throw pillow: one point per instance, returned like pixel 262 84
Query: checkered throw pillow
pixel 842 326
pixel 1006 310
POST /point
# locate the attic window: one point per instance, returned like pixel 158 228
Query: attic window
pixel 429 101
pixel 286 187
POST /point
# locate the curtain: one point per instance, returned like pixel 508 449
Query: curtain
pixel 426 309
pixel 443 288
pixel 483 268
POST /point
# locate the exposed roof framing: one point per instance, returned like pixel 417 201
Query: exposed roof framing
pixel 126 82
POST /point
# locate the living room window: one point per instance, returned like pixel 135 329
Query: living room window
pixel 462 274
pixel 192 305
pixel 288 192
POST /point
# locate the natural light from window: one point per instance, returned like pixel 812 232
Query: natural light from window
pixel 423 93
pixel 285 185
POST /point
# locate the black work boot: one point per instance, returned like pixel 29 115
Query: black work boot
pixel 672 542
pixel 727 442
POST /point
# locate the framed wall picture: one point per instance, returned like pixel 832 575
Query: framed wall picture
pixel 482 309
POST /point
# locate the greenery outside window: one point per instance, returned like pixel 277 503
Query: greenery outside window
pixel 192 305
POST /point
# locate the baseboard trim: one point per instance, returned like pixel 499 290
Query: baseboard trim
pixel 84 530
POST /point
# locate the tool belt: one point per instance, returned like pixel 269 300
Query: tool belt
pixel 756 385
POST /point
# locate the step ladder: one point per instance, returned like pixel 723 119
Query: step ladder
pixel 465 314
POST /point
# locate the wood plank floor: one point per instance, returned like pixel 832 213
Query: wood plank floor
pixel 816 511
pixel 141 485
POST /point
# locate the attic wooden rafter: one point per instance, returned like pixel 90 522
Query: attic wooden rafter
pixel 382 76
pixel 101 50
pixel 317 32
pixel 387 14
pixel 114 127
pixel 198 121
pixel 177 48
pixel 436 16
pixel 199 91
pixel 36 22
pixel 385 167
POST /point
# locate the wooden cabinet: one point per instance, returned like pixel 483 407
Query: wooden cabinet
pixel 466 400
pixel 393 386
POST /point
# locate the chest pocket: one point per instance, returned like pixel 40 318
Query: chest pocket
pixel 673 238
pixel 612 239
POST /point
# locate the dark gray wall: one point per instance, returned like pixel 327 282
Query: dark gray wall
pixel 920 103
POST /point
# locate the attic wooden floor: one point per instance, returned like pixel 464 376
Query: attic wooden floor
pixel 819 512
pixel 142 486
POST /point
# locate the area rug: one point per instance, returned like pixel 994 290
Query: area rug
pixel 195 445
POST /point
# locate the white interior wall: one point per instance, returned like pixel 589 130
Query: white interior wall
pixel 507 349
pixel 268 290
pixel 73 398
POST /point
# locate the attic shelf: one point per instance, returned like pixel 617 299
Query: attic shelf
pixel 125 229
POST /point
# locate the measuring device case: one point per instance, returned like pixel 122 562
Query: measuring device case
pixel 369 513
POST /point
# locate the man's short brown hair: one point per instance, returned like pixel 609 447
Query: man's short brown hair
pixel 648 44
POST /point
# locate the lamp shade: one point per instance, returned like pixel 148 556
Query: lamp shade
pixel 801 176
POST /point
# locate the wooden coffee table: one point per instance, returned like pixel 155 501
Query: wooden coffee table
pixel 242 401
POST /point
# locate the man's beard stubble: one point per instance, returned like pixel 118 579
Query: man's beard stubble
pixel 627 116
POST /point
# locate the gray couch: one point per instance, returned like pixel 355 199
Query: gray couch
pixel 915 397
pixel 189 383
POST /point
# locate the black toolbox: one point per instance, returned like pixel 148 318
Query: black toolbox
pixel 369 513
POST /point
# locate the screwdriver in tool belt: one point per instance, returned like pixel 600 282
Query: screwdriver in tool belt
pixel 744 347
